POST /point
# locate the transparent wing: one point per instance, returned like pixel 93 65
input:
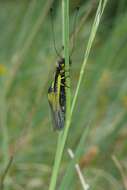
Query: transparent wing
pixel 57 114
pixel 57 117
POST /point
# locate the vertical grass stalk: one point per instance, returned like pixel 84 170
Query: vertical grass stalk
pixel 69 109
pixel 97 19
pixel 3 125
pixel 62 135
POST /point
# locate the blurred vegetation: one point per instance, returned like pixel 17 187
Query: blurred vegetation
pixel 27 62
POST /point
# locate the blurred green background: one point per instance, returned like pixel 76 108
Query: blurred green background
pixel 27 63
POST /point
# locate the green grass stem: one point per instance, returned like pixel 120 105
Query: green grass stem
pixel 97 19
pixel 3 124
pixel 63 135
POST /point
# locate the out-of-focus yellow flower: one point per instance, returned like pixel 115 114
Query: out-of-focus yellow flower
pixel 106 77
pixel 3 69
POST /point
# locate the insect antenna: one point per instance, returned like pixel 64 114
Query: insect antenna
pixel 74 31
pixel 53 32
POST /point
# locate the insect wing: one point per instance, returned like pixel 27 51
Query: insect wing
pixel 56 112
pixel 57 119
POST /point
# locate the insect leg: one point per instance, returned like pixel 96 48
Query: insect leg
pixel 65 77
pixel 64 85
